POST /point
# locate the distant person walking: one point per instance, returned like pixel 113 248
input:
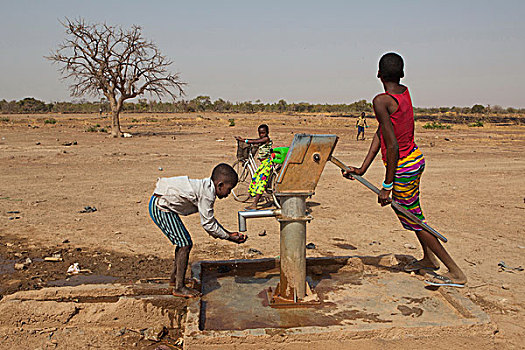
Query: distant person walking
pixel 404 166
pixel 360 125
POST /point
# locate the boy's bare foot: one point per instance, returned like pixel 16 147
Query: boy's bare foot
pixel 417 265
pixel 446 280
pixel 190 281
pixel 186 292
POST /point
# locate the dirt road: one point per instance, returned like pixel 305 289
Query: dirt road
pixel 473 191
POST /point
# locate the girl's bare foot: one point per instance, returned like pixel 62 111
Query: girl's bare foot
pixel 186 292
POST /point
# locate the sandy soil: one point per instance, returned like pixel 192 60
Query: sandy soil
pixel 472 191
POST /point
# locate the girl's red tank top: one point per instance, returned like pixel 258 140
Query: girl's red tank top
pixel 403 122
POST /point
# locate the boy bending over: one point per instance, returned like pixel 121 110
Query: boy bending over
pixel 180 195
pixel 404 166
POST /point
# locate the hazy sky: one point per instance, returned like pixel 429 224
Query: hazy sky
pixel 456 52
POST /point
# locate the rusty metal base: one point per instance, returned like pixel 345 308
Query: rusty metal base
pixel 277 301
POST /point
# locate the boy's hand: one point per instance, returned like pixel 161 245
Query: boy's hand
pixel 238 138
pixel 237 237
pixel 384 197
pixel 348 173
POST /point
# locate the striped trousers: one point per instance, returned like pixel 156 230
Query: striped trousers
pixel 170 224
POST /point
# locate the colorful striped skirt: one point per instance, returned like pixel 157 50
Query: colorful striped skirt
pixel 406 187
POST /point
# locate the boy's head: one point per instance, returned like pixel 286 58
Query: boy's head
pixel 363 114
pixel 391 67
pixel 263 130
pixel 224 179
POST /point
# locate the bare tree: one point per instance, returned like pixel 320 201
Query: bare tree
pixel 118 63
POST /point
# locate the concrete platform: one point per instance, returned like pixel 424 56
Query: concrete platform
pixel 361 298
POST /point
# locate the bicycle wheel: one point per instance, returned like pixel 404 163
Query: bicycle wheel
pixel 240 192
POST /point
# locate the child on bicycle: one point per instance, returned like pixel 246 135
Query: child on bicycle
pixel 261 176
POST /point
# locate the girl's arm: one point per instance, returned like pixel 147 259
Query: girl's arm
pixel 381 105
pixel 254 141
pixel 372 152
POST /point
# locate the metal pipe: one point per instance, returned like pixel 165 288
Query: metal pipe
pixel 293 248
pixel 243 215
pixel 394 204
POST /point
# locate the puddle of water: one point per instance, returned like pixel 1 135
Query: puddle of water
pixel 77 280
pixel 7 266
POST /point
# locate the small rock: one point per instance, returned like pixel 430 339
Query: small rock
pixel 65 241
pixel 120 332
pixel 126 135
pixel 160 169
pixel 505 286
pixel 20 266
pixel 409 246
pixel 447 139
pixel 254 251
pixel 262 233
pixel 310 246
pixel 53 258
pixel 88 209
pixel 28 261
pixel 155 333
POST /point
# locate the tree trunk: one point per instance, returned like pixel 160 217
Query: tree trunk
pixel 115 122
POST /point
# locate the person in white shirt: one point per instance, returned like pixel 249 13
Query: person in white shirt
pixel 181 195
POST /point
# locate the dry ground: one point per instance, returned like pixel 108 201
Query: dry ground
pixel 472 191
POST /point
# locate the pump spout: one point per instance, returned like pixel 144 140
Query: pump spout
pixel 243 215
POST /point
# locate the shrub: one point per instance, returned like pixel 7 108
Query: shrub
pixel 478 124
pixel 134 120
pixel 93 128
pixel 4 119
pixel 435 125
pixel 50 121
pixel 232 122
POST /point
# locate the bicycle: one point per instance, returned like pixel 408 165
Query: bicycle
pixel 246 167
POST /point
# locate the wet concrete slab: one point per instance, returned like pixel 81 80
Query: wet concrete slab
pixel 360 297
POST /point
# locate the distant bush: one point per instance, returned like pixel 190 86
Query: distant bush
pixel 4 119
pixel 478 124
pixel 151 120
pixel 435 125
pixel 50 121
pixel 232 122
pixel 134 120
pixel 477 109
